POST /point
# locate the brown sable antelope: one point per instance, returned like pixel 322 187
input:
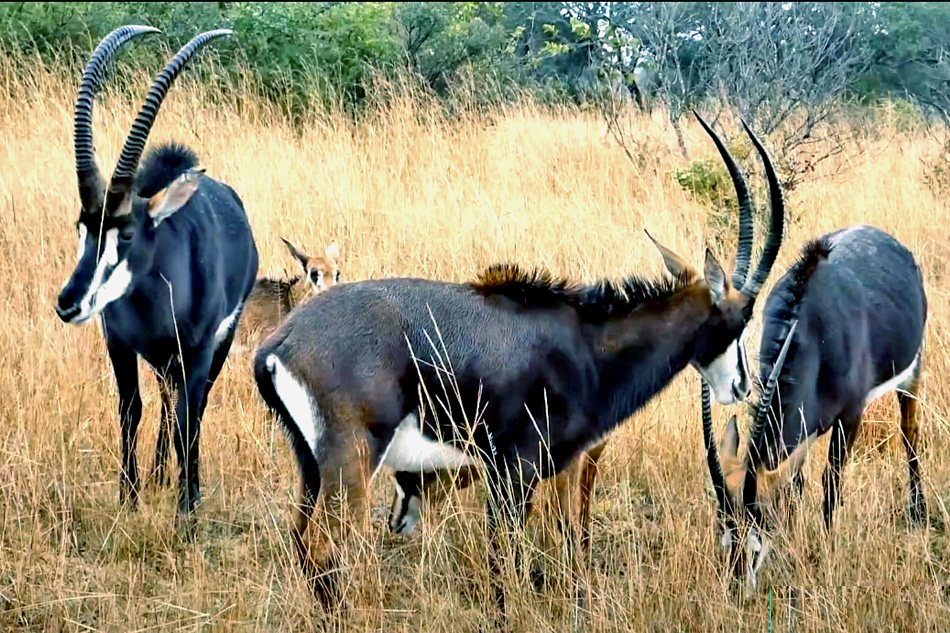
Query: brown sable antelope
pixel 534 371
pixel 272 299
pixel 166 257
pixel 843 327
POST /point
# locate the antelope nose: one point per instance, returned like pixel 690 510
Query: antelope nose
pixel 66 312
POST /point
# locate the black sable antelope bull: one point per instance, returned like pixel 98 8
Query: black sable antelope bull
pixel 537 371
pixel 843 327
pixel 167 258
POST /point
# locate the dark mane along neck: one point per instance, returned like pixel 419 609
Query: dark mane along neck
pixel 785 299
pixel 638 352
pixel 279 289
pixel 595 303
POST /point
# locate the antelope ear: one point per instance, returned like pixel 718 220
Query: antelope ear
pixel 333 251
pixel 173 197
pixel 675 264
pixel 729 446
pixel 299 256
pixel 715 277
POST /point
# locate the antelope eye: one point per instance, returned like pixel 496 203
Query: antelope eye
pixel 336 276
pixel 126 236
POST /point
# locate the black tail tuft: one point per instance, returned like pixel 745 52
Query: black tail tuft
pixel 161 165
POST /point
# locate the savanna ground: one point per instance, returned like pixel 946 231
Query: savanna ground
pixel 409 192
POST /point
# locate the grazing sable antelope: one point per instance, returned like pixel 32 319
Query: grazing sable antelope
pixel 843 327
pixel 167 258
pixel 539 370
pixel 272 299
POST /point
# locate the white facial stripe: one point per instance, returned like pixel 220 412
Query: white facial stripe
pixel 110 257
pixel 723 373
pixel 115 286
pixel 318 285
pixel 411 451
pixel 226 325
pixel 303 411
pixel 742 349
pixel 83 233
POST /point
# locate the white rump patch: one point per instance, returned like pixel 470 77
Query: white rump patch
pixel 894 383
pixel 298 402
pixel 226 325
pixel 83 233
pixel 101 291
pixel 411 451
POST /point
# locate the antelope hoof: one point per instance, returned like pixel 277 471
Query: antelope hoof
pixel 757 551
pixel 187 526
pixel 186 523
pixel 128 495
pixel 538 579
pixel 159 477
pixel 917 512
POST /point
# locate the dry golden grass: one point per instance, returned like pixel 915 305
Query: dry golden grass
pixel 408 192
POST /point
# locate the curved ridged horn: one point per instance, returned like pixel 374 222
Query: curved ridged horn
pixel 91 185
pixel 124 174
pixel 777 222
pixel 712 455
pixel 746 222
pixel 762 413
pixel 761 418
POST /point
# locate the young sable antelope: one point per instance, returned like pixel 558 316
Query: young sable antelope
pixel 271 300
pixel 540 370
pixel 166 257
pixel 842 328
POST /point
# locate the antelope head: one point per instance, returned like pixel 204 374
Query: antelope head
pixel 721 356
pixel 748 493
pixel 117 223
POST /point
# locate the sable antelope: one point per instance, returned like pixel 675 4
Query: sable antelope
pixel 167 258
pixel 272 299
pixel 843 327
pixel 539 370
